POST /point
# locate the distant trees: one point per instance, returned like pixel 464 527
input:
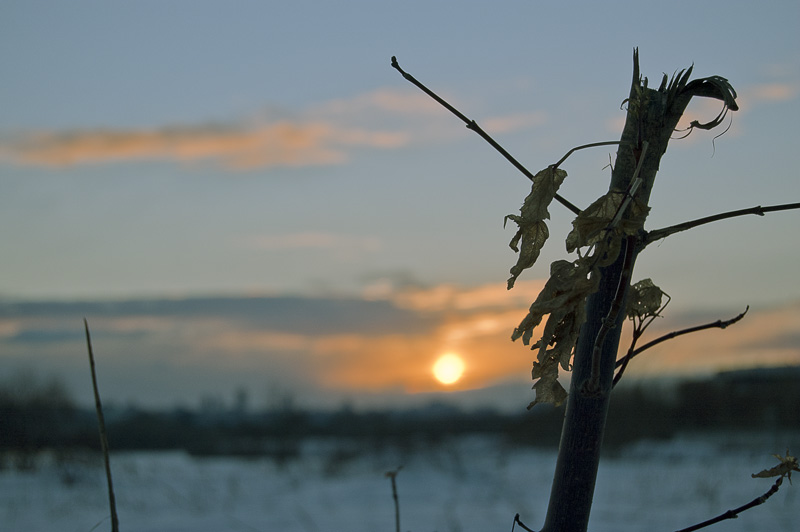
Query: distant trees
pixel 34 414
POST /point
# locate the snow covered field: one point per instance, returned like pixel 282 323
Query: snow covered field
pixel 475 484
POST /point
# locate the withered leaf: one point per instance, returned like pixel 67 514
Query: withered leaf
pixel 564 299
pixel 532 231
pixel 567 287
pixel 547 388
pixel 533 236
pixel 787 464
pixel 644 299
pixel 589 226
pixel 545 185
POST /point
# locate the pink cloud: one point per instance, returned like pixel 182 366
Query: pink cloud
pixel 277 144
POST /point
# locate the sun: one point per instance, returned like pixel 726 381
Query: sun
pixel 448 368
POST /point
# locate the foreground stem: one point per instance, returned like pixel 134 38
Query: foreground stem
pixel 651 119
pixel 101 423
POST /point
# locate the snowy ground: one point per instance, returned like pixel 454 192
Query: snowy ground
pixel 469 485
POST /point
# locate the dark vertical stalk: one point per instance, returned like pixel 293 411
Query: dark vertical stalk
pixel 584 422
pixel 101 423
pixel 651 119
pixel 393 477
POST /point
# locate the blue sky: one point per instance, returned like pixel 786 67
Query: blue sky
pixel 170 150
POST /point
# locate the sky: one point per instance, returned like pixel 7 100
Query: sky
pixel 245 195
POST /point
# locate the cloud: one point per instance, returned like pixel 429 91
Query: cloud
pixel 772 92
pixel 337 347
pixel 237 148
pixel 447 297
pixel 323 134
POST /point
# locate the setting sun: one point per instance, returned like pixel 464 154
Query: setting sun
pixel 448 368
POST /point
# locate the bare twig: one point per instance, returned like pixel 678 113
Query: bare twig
pixel 638 331
pixel 719 324
pixel 520 523
pixel 584 146
pixel 471 124
pixel 393 477
pixel 103 435
pixel 658 234
pixel 732 514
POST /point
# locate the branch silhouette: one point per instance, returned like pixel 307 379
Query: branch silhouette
pixel 658 234
pixel 734 513
pixel 471 124
pixel 719 324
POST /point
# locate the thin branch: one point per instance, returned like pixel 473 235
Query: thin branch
pixel 471 124
pixel 520 523
pixel 638 332
pixel 733 514
pixel 393 476
pixel 103 435
pixel 658 234
pixel 626 359
pixel 584 146
pixel 719 324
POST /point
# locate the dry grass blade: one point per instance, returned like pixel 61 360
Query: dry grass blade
pixel 103 435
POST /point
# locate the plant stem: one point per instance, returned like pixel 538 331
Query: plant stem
pixel 471 124
pixel 658 234
pixel 732 514
pixel 393 477
pixel 103 435
pixel 719 324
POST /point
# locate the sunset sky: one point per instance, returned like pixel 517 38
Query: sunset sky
pixel 247 195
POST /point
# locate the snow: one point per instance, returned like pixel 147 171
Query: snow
pixel 472 484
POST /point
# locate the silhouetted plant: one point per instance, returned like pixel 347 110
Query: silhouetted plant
pixel 587 299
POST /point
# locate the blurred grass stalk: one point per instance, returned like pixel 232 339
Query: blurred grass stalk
pixel 103 435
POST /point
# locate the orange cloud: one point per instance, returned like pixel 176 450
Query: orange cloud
pixel 452 297
pixel 277 144
pixel 331 344
pixel 772 92
pixel 326 135
pixel 481 336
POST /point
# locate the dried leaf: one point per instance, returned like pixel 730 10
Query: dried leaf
pixel 544 188
pixel 547 388
pixel 589 226
pixel 533 237
pixel 787 464
pixel 567 287
pixel 532 231
pixel 564 299
pixel 716 87
pixel 644 300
